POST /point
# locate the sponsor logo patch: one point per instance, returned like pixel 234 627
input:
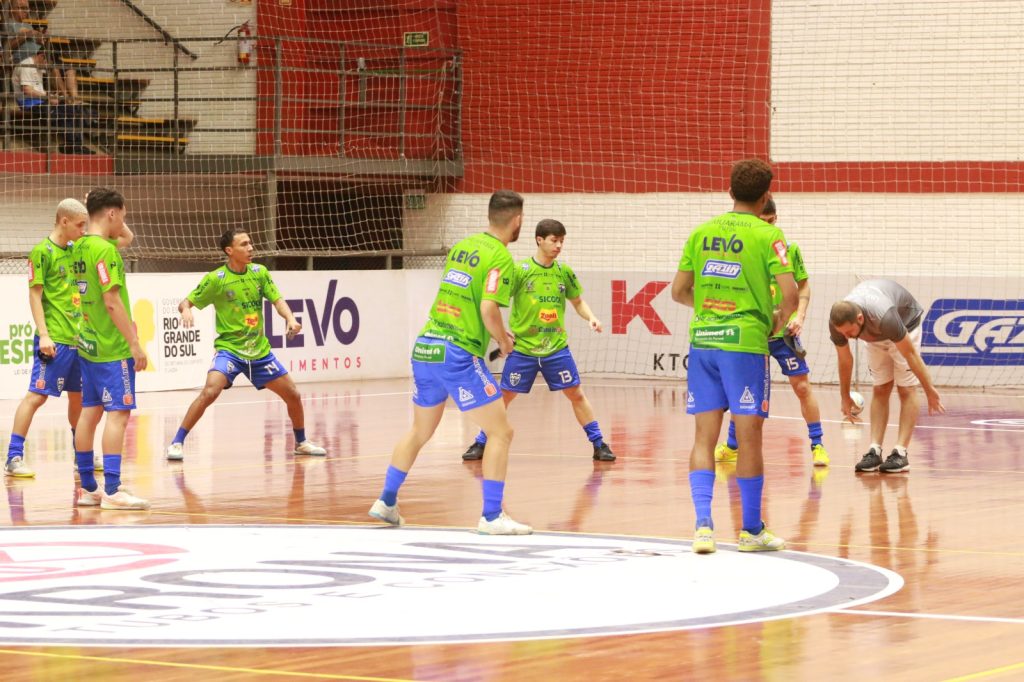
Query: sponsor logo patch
pixel 458 278
pixel 722 334
pixel 973 331
pixel 429 352
pixel 722 269
pixel 493 280
pixel 548 315
pixel 782 251
pixel 103 273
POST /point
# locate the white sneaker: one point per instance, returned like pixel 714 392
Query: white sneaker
pixel 17 468
pixel 123 499
pixel 89 499
pixel 503 525
pixel 387 514
pixel 308 447
pixel 174 452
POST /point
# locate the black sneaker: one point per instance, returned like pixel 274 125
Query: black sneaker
pixel 474 453
pixel 603 453
pixel 869 462
pixel 894 464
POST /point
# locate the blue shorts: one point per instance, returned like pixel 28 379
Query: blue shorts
pixel 791 364
pixel 260 372
pixel 724 380
pixel 58 374
pixel 110 384
pixel 441 369
pixel 559 370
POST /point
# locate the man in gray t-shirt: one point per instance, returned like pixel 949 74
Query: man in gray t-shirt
pixel 886 316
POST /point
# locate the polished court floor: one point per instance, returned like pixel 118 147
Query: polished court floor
pixel 949 528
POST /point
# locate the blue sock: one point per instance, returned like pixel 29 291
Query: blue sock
pixel 481 437
pixel 731 439
pixel 16 447
pixel 179 437
pixel 393 480
pixel 300 435
pixel 111 473
pixel 494 491
pixel 594 434
pixel 83 460
pixel 702 488
pixel 815 432
pixel 750 497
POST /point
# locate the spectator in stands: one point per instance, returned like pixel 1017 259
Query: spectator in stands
pixel 35 101
pixel 25 41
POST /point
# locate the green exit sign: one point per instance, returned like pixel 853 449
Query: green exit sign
pixel 417 38
pixel 415 201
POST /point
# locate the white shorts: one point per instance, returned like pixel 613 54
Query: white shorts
pixel 886 363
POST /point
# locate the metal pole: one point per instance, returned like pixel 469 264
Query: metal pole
pixel 175 128
pixel 342 79
pixel 271 189
pixel 401 103
pixel 116 107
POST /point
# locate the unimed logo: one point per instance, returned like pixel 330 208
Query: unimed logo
pixel 329 586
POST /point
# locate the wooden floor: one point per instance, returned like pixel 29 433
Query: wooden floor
pixel 950 528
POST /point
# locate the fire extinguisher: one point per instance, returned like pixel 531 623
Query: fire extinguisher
pixel 245 44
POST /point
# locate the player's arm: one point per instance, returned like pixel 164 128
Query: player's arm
pixel 199 298
pixel 682 287
pixel 584 311
pixel 490 313
pixel 35 302
pixel 119 316
pixel 787 285
pixel 803 292
pixel 909 352
pixel 126 238
pixel 845 362
pixel 293 326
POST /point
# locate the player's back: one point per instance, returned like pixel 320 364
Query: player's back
pixel 478 267
pixel 733 258
pixel 99 267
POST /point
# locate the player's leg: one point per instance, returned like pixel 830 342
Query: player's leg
pixel 15 465
pixel 748 386
pixel 517 376
pixel 73 386
pixel 910 406
pixel 880 366
pixel 493 420
pixel 286 389
pixel 89 494
pixel 222 374
pixel 706 401
pixel 561 374
pixel 47 378
pixel 118 399
pixel 796 369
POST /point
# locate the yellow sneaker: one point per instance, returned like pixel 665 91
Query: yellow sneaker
pixel 704 541
pixel 820 455
pixel 723 453
pixel 765 541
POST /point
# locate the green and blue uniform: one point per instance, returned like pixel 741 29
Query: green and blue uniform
pixel 50 266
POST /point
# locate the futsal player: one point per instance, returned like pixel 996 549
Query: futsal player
pixel 447 360
pixel 725 274
pixel 793 366
pixel 887 318
pixel 540 288
pixel 109 353
pixel 236 290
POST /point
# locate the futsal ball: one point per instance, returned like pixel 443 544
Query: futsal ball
pixel 858 402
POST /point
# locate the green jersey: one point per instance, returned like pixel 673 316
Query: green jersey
pixel 538 306
pixel 733 258
pixel 99 268
pixel 237 298
pixel 50 265
pixel 478 268
pixel 799 274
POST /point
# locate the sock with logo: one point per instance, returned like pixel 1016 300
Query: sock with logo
pixel 111 473
pixel 83 460
pixel 300 435
pixel 16 448
pixel 750 499
pixel 179 437
pixel 814 431
pixel 393 480
pixel 494 491
pixel 702 489
pixel 593 432
pixel 731 438
pixel 481 437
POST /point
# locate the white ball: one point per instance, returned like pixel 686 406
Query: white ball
pixel 858 402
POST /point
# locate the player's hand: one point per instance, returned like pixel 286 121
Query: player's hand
pixel 847 406
pixel 934 402
pixel 595 324
pixel 506 345
pixel 795 326
pixel 139 355
pixel 293 329
pixel 47 347
pixel 187 321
